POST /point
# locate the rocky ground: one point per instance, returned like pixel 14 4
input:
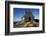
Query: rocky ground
pixel 26 24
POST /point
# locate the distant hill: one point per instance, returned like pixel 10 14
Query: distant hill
pixel 15 22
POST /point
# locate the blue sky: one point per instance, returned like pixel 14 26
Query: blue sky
pixel 19 12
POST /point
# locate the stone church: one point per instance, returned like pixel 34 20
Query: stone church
pixel 27 19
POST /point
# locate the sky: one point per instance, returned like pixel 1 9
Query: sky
pixel 19 12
